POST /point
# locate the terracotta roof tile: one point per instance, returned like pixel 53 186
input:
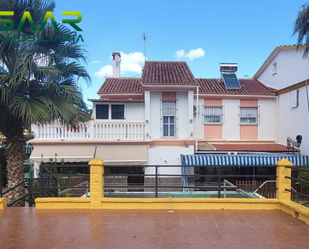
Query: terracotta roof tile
pixel 267 147
pixel 167 73
pixel 121 85
pixel 248 87
pixel 117 100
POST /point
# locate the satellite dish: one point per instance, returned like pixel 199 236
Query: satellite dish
pixel 117 58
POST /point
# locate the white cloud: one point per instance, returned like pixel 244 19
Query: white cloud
pixel 95 62
pixel 105 71
pixel 130 63
pixel 180 54
pixel 192 55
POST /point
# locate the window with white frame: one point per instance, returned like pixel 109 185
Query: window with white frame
pixel 169 118
pixel 113 111
pixel 294 95
pixel 249 115
pixel 274 71
pixel 213 115
pixel 102 111
pixel 117 111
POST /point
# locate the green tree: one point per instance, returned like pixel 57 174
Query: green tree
pixel 301 28
pixel 38 81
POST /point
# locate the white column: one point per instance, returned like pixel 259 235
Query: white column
pixel 36 168
pixel 147 114
pixel 190 112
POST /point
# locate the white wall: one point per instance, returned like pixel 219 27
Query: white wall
pixel 135 112
pixel 147 113
pixel 182 115
pixel 155 114
pixel 199 115
pixel 294 121
pixel 291 69
pixel 167 155
pixel 267 127
pixel 190 113
pixel 230 128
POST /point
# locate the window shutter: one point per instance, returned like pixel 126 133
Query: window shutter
pixel 294 98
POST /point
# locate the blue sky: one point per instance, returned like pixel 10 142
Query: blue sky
pixel 240 31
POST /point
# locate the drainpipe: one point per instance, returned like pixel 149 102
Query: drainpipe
pixel 307 97
pixel 197 118
pixel 277 118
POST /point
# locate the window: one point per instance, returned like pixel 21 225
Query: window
pixel 169 113
pixel 294 98
pixel 117 111
pixel 274 68
pixel 213 115
pixel 249 115
pixel 101 111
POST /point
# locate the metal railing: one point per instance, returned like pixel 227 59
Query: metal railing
pixel 29 194
pixel 214 180
pixel 55 182
pixel 299 193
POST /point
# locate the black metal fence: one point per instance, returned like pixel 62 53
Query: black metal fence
pixel 214 181
pixel 241 181
pixel 29 193
pixel 299 187
pixel 63 180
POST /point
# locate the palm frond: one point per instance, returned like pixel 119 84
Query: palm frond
pixel 301 29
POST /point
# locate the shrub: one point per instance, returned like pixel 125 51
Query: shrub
pixel 303 175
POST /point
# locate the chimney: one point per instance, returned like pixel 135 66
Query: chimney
pixel 116 64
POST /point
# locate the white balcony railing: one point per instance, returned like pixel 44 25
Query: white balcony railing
pixel 119 130
pixel 90 130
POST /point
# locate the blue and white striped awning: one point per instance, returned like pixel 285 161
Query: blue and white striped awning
pixel 242 159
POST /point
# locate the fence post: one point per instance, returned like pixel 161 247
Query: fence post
pixel 156 182
pixel 96 183
pixel 30 191
pixel 219 181
pixel 283 183
pixel 41 181
pixel 1 180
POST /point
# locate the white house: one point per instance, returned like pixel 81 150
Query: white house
pixel 286 70
pixel 166 113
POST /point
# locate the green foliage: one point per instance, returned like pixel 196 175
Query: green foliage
pixel 303 175
pixel 39 80
pixel 301 29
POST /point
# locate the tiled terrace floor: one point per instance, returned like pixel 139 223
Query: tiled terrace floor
pixel 37 229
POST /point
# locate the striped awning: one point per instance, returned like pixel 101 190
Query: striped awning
pixel 242 159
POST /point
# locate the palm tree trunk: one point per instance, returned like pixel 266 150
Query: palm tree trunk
pixel 15 158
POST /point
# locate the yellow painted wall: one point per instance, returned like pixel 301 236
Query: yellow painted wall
pixel 3 202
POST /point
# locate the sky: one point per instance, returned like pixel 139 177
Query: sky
pixel 203 33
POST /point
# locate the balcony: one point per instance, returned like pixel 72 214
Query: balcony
pixel 91 130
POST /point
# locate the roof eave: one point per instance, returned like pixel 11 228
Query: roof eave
pixel 273 54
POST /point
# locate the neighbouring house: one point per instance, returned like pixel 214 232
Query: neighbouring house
pixel 288 71
pixel 168 117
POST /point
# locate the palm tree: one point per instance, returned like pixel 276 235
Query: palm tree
pixel 301 28
pixel 38 83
